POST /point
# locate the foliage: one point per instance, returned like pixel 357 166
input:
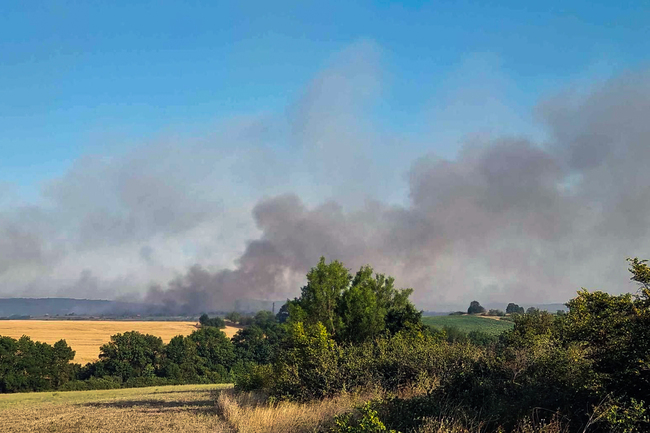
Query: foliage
pixel 367 422
pixel 307 364
pixel 475 308
pixel 614 331
pixel 233 317
pixel 251 345
pixel 27 365
pixel 129 355
pixel 215 349
pixel 495 313
pixel 352 309
pixel 320 297
pixel 513 308
pixel 216 322
pixel 625 417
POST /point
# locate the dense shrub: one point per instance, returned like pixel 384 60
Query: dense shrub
pixel 215 322
pixel 92 383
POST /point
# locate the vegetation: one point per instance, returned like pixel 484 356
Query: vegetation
pixel 86 337
pixel 513 308
pixel 352 354
pixel 467 324
pixel 475 308
pixel 587 370
pixel 216 322
pixel 168 409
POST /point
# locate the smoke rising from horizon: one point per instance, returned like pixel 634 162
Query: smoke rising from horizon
pixel 510 218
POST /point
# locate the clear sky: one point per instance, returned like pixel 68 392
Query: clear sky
pixel 151 135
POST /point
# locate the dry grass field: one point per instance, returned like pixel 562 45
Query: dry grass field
pixel 86 336
pixel 184 408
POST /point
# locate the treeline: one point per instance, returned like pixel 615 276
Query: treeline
pixel 133 359
pixel 585 370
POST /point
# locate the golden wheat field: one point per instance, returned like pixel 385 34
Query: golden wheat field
pixel 87 336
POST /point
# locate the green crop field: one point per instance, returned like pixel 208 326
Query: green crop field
pixel 469 323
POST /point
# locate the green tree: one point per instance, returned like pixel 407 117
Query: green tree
pixel 130 355
pixel 233 316
pixel 216 322
pixel 181 360
pixel 320 297
pixel 513 308
pixel 475 308
pixel 264 319
pixel 251 345
pixel 27 365
pixel 214 348
pixel 364 306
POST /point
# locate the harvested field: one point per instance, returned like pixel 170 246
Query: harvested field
pixel 86 336
pixel 163 409
pixel 184 408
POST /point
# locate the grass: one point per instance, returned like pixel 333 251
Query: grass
pixel 183 408
pixel 251 413
pixel 202 409
pixel 86 336
pixel 468 323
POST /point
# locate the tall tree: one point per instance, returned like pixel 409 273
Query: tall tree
pixel 319 298
pixel 475 308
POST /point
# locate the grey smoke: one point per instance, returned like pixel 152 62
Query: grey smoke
pixel 509 218
pixel 512 218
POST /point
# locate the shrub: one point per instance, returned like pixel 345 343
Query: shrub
pixel 495 313
pixel 250 376
pixel 215 322
pixel 366 421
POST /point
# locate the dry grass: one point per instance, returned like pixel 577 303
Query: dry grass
pixel 250 413
pixel 186 408
pixel 86 336
pixel 201 408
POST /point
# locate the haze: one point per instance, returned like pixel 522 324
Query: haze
pixel 201 154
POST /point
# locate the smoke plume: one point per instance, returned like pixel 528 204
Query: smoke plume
pixel 514 218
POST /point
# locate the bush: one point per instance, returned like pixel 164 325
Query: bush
pixel 250 376
pixel 495 313
pixel 91 384
pixel 215 322
pixel 366 421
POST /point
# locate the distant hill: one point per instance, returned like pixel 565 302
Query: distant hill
pixel 38 307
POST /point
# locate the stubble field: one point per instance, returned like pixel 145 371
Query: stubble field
pixel 183 408
pixel 167 409
pixel 87 336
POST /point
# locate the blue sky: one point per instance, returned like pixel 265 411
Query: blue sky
pixel 138 139
pixel 77 76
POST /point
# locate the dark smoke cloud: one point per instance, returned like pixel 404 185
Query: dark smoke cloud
pixel 511 218
pixel 508 218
